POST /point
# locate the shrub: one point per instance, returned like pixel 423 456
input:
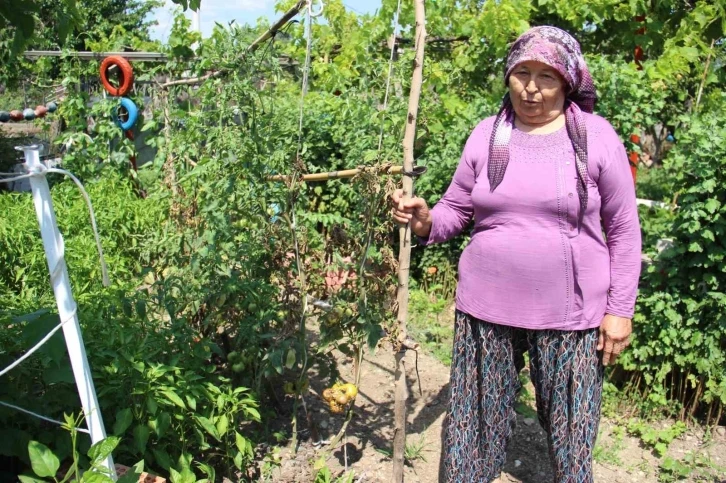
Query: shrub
pixel 680 326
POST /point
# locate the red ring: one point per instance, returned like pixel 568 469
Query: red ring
pixel 126 75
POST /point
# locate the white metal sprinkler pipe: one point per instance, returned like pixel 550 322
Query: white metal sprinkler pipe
pixel 54 253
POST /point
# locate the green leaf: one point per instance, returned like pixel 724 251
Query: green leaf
pixel 163 422
pixel 291 358
pixel 253 413
pixel 209 471
pixel 186 476
pixel 162 458
pixel 239 461
pixel 173 397
pixel 42 459
pixel 148 125
pixel 132 476
pixel 174 476
pixel 96 477
pixel 661 448
pixel 712 205
pixel 242 443
pixel 141 437
pixel 222 424
pixel 276 361
pixel 101 450
pixel 30 479
pixel 151 405
pixel 124 418
pixel 207 425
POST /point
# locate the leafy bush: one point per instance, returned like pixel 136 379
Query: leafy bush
pixel 680 334
pixel 24 279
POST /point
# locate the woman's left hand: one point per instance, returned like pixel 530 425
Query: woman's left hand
pixel 614 337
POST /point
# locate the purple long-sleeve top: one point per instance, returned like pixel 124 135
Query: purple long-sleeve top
pixel 530 262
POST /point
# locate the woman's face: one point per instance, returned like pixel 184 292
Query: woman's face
pixel 537 92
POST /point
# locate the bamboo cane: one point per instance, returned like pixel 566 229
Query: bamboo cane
pixel 347 173
pixel 404 257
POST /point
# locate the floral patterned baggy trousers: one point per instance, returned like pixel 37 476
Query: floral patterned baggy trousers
pixel 567 375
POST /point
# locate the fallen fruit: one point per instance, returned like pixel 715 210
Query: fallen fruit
pixel 350 390
pixel 328 394
pixel 336 408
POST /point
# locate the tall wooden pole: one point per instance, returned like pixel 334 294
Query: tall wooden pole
pixel 404 257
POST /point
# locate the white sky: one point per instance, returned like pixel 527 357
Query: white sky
pixel 243 11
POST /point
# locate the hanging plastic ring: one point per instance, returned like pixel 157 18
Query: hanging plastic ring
pixel 126 75
pixel 315 13
pixel 131 109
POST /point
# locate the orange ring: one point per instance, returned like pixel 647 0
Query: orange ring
pixel 126 74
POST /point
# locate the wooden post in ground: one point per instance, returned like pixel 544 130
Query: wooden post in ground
pixel 404 257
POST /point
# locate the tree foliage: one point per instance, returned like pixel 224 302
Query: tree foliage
pixel 68 24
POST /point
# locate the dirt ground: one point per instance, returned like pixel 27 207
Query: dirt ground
pixel 619 457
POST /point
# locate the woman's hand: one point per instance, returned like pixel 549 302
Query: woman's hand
pixel 614 337
pixel 415 211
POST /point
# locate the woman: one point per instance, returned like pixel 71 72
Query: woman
pixel 541 180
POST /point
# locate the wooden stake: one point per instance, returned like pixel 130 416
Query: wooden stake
pixel 705 74
pixel 348 173
pixel 404 257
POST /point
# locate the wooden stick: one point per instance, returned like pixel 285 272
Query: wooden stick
pixel 276 26
pixel 348 173
pixel 404 257
pixel 250 48
pixel 705 73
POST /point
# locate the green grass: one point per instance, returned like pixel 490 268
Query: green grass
pixel 412 452
pixel 431 324
pixel 610 453
pixel 525 404
pixel 694 466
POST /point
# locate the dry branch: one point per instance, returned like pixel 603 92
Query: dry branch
pixel 404 257
pixel 250 48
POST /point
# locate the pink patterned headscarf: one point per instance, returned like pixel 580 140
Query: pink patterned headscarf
pixel 559 50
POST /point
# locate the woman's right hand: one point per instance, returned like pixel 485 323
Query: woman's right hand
pixel 415 211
